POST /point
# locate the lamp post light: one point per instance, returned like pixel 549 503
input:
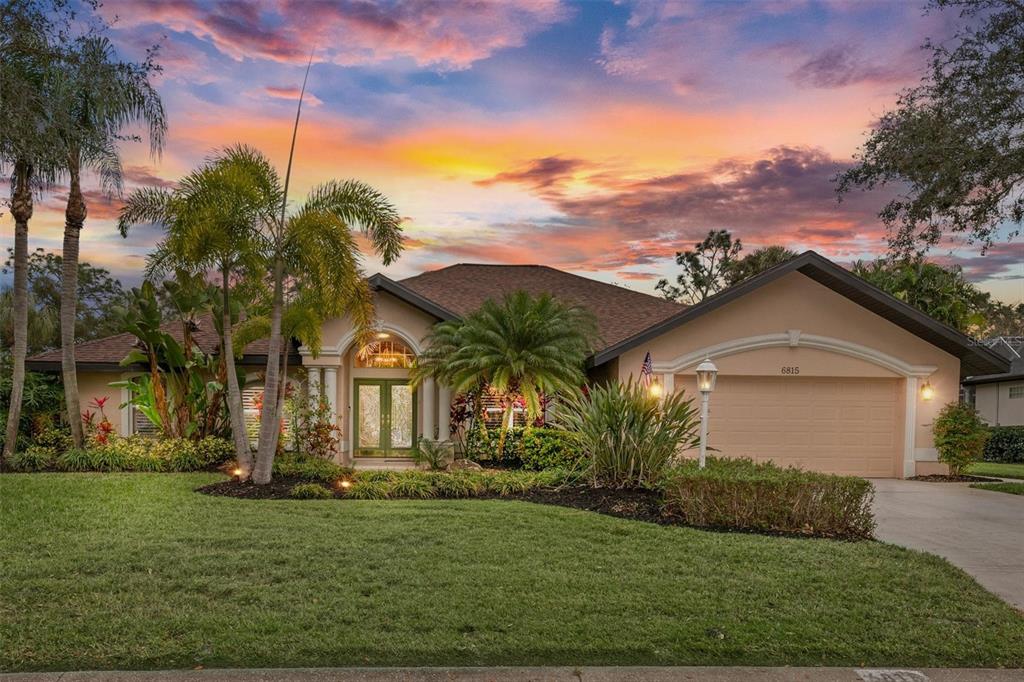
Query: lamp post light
pixel 706 375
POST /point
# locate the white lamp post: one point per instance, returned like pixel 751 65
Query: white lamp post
pixel 706 375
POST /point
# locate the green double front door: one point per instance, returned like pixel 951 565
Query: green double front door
pixel 385 424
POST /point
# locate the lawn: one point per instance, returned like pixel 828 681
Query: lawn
pixel 997 469
pixel 137 571
pixel 1016 488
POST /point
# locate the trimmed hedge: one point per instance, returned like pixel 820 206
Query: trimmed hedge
pixel 134 453
pixel 542 448
pixel 1005 444
pixel 739 494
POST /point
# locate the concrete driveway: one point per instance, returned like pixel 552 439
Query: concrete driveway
pixel 980 531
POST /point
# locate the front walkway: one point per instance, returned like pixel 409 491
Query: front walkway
pixel 566 674
pixel 980 531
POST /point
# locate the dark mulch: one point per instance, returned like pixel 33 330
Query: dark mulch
pixel 640 505
pixel 946 478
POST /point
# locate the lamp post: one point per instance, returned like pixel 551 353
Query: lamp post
pixel 706 375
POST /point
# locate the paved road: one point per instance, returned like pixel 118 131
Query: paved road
pixel 980 531
pixel 585 674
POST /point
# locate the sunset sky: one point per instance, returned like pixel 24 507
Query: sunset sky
pixel 598 137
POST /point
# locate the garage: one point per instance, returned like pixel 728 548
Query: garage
pixel 841 425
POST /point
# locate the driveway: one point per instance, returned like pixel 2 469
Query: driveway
pixel 980 531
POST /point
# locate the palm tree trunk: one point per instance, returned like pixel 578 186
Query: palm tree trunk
pixel 74 220
pixel 21 210
pixel 269 426
pixel 243 453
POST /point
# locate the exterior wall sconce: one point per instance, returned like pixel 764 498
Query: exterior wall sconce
pixel 927 391
pixel 707 373
pixel 656 389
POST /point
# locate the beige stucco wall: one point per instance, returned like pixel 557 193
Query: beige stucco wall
pixel 796 302
pixel 996 407
pixel 93 385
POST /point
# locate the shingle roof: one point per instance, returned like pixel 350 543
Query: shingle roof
pixel 109 351
pixel 621 313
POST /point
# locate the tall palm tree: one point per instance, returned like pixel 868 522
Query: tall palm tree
pixel 212 222
pixel 96 96
pixel 316 262
pixel 522 347
pixel 27 59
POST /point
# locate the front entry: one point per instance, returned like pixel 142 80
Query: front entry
pixel 385 421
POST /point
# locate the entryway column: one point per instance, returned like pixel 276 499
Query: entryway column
pixel 314 384
pixel 444 407
pixel 331 390
pixel 668 382
pixel 429 408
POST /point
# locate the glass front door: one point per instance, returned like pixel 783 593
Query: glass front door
pixel 385 418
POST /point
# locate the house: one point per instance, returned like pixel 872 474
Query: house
pixel 817 368
pixel 999 398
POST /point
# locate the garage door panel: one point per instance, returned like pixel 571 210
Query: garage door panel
pixel 837 425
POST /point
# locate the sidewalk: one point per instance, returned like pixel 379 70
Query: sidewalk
pixel 583 674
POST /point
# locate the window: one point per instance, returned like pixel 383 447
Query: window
pixel 141 425
pixel 252 401
pixel 385 352
pixel 1017 391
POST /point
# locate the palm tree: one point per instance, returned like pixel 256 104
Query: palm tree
pixel 212 222
pixel 27 58
pixel 316 263
pixel 95 97
pixel 522 347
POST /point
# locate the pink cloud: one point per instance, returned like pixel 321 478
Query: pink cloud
pixel 442 35
pixel 292 93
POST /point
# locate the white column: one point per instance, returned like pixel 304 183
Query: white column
pixel 331 390
pixel 668 382
pixel 429 409
pixel 910 429
pixel 314 384
pixel 444 406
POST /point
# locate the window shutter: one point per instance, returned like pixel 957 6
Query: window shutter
pixel 141 425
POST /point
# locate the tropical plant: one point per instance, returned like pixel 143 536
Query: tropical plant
pixel 942 293
pixel 953 143
pixel 432 454
pixel 960 435
pixel 316 434
pixel 705 268
pixel 29 36
pixel 629 437
pixel 94 97
pixel 521 349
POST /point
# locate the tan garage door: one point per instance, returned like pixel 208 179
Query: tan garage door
pixel 831 424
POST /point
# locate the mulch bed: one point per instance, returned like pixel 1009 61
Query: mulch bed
pixel 946 478
pixel 639 505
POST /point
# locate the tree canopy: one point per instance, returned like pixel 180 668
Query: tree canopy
pixel 953 146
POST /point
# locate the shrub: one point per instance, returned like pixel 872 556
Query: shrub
pixel 55 438
pixel 75 459
pixel 550 448
pixel 434 455
pixel 505 483
pixel 369 490
pixel 1005 444
pixel 458 484
pixel 308 468
pixel 310 491
pixel 742 495
pixel 212 450
pixel 628 435
pixel 960 436
pixel 105 458
pixel 413 484
pixel 34 458
pixel 482 444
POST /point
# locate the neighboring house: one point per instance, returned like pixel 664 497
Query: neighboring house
pixel 816 367
pixel 999 398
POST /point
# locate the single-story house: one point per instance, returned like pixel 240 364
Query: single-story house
pixel 999 398
pixel 817 368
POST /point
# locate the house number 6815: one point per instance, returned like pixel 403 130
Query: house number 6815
pixel 790 370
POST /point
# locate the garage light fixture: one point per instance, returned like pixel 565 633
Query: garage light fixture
pixel 927 391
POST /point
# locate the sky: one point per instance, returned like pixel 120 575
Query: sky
pixel 596 137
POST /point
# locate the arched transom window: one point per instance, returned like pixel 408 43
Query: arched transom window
pixel 385 351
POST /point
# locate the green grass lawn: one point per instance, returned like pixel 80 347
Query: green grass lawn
pixel 997 469
pixel 1016 488
pixel 138 571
